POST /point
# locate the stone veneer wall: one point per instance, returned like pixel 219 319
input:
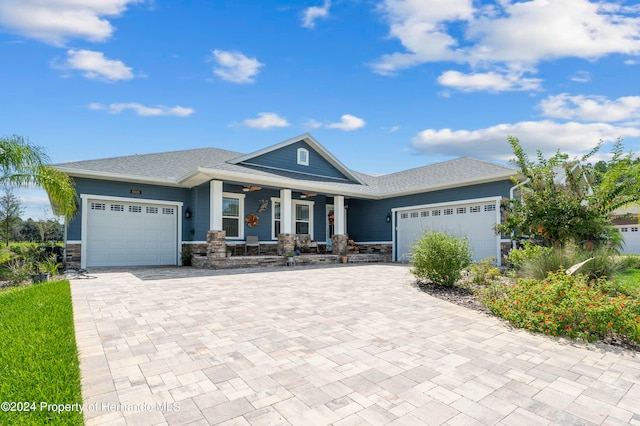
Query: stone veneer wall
pixel 72 256
pixel 384 249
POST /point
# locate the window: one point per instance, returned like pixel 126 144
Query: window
pixel 231 216
pixel 303 157
pixel 276 219
pixel 404 215
pixel 634 229
pixel 461 210
pixel 414 215
pixel 152 210
pixel 302 219
pixel 424 213
pixel 624 229
pixel 435 213
pixel 135 209
pixel 490 208
pixel 474 209
pixel 98 206
pixel 167 210
pixel 448 211
pixel 117 207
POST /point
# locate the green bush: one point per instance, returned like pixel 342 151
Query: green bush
pixel 574 306
pixel 630 261
pixel 484 272
pixel 440 258
pixel 519 257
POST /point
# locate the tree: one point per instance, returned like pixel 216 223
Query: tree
pixel 25 164
pixel 10 211
pixel 561 201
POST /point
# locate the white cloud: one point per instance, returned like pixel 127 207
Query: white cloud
pixel 144 111
pixel 581 77
pixel 94 65
pixel 56 21
pixel 591 108
pixel 266 120
pixel 510 35
pixel 489 81
pixel 314 13
pixel 348 123
pixel 235 66
pixel 491 143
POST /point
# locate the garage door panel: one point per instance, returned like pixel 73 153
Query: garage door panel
pixel 631 236
pixel 473 221
pixel 128 234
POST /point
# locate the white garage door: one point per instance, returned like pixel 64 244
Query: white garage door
pixel 631 237
pixel 130 233
pixel 472 220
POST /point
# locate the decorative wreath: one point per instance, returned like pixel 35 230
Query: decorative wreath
pixel 330 216
pixel 251 220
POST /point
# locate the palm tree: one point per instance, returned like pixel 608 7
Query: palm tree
pixel 24 164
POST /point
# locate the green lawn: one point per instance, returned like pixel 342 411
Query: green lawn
pixel 38 356
pixel 629 281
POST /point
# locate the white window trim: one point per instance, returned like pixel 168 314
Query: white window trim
pixel 294 203
pixel 311 204
pixel 275 200
pixel 303 156
pixel 240 198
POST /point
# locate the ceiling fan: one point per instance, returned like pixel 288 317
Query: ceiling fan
pixel 307 195
pixel 249 188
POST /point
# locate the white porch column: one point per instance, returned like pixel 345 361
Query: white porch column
pixel 215 206
pixel 286 221
pixel 339 219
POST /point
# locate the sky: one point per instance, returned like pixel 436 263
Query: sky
pixel 385 85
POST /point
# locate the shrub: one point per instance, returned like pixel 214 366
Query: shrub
pixel 536 262
pixel 630 261
pixel 18 271
pixel 484 272
pixel 574 306
pixel 440 258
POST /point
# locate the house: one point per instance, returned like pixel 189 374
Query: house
pixel 145 209
pixel 625 219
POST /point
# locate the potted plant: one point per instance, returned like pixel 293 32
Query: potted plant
pixel 343 255
pixel 186 255
pixel 290 257
pixel 43 269
pixel 228 252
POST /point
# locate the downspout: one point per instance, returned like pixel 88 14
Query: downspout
pixel 512 191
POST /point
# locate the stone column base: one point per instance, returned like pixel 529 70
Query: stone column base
pixel 339 244
pixel 286 243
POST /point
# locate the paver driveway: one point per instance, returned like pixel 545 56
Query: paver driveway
pixel 342 345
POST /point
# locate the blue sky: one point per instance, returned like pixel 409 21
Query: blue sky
pixel 385 85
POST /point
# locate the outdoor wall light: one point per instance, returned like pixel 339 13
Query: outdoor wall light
pixel 187 213
pixel 388 217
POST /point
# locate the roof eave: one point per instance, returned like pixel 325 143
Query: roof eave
pixel 119 177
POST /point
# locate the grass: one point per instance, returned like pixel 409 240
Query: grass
pixel 38 355
pixel 629 281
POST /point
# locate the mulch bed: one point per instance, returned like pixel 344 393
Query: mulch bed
pixel 465 297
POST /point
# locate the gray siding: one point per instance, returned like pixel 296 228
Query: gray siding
pixel 366 219
pixel 122 189
pixel 286 158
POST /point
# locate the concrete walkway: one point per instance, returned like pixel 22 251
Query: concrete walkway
pixel 345 345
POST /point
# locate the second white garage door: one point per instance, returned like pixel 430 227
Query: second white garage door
pixel 130 233
pixel 631 235
pixel 472 219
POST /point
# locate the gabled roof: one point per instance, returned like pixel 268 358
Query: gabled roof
pixel 314 144
pixel 193 167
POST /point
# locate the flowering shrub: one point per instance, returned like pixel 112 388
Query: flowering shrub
pixel 566 305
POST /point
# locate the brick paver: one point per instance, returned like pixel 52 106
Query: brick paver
pixel 343 345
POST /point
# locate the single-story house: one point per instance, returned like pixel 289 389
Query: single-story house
pixel 625 219
pixel 146 209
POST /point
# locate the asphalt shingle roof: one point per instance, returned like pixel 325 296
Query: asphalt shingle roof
pixel 171 166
